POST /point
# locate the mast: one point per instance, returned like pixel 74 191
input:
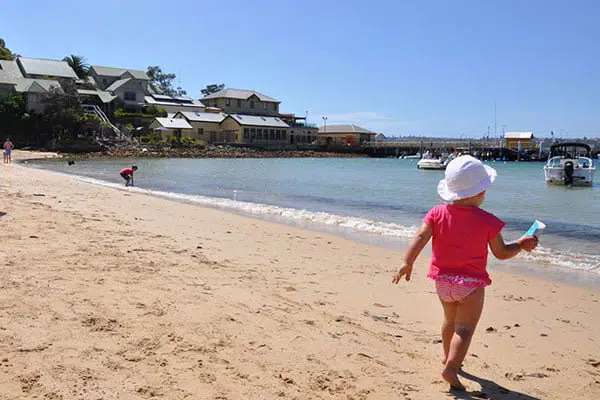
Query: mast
pixel 495 124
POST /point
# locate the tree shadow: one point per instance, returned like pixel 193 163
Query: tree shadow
pixel 489 390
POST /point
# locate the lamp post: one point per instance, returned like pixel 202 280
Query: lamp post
pixel 324 124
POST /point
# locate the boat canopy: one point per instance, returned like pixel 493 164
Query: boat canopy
pixel 569 149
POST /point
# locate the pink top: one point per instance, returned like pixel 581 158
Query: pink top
pixel 460 243
pixel 127 171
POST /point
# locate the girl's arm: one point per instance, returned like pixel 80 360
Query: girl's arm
pixel 414 249
pixel 504 251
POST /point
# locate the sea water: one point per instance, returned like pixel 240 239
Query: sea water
pixel 381 201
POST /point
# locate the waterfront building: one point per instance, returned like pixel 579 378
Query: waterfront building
pixel 206 125
pixel 177 127
pixel 519 140
pixel 344 135
pixel 241 101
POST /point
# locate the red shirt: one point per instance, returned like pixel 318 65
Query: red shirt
pixel 460 243
pixel 126 171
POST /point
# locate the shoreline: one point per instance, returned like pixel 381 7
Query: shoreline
pixel 519 266
pixel 113 292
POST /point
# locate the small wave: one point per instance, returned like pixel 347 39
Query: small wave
pixel 258 209
pixel 563 259
pixel 541 256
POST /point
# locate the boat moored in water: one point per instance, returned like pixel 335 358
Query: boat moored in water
pixel 431 161
pixel 570 164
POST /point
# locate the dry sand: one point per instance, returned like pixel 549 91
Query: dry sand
pixel 108 294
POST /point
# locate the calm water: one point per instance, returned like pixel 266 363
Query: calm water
pixel 379 200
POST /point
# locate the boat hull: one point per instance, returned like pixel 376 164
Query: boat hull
pixel 581 176
pixel 433 163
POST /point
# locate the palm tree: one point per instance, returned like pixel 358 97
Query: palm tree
pixel 78 64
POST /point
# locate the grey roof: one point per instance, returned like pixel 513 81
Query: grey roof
pixel 259 121
pixel 117 72
pixel 162 100
pixel 104 96
pixel 88 79
pixel 197 116
pixel 39 66
pixel 351 128
pixel 117 84
pixel 238 94
pixel 28 85
pixel 9 72
pixel 174 123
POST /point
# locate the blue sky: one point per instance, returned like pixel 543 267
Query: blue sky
pixel 400 67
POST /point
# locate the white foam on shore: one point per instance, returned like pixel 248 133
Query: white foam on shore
pixel 541 256
pixel 357 224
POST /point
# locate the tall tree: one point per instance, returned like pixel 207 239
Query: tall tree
pixel 78 64
pixel 61 108
pixel 214 88
pixel 163 82
pixel 5 54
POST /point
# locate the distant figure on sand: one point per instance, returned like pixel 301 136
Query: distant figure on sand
pixel 127 174
pixel 8 147
pixel 461 233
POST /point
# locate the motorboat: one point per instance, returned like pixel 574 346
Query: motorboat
pixel 570 164
pixel 410 157
pixel 432 161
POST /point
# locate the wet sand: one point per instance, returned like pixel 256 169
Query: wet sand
pixel 109 294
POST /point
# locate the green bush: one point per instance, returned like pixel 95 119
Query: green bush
pixel 173 140
pixel 153 138
pixel 119 113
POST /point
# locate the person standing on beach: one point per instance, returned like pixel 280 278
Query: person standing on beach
pixel 127 174
pixel 461 233
pixel 8 148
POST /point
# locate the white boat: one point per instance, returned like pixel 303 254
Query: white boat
pixel 434 162
pixel 569 164
pixel 413 157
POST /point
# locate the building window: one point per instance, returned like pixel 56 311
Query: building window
pixel 259 134
pixel 228 102
pixel 274 106
pixel 252 104
pixel 200 131
pixel 246 133
pixel 283 135
pixel 272 134
pixel 129 96
pixel 215 104
pixel 277 134
pixel 239 103
pixel 265 105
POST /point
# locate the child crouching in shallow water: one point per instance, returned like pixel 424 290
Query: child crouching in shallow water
pixel 461 234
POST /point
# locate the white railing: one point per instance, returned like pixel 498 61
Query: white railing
pixel 94 109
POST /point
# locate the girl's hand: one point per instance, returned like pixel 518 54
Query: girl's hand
pixel 405 270
pixel 528 243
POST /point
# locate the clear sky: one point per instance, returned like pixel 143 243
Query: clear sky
pixel 429 67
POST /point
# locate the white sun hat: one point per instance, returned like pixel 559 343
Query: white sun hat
pixel 466 176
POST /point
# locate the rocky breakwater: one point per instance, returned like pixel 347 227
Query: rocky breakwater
pixel 212 152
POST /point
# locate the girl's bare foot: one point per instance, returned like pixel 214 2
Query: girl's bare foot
pixel 449 374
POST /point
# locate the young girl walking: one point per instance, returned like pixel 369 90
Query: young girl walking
pixel 461 234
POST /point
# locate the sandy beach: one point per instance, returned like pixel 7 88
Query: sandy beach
pixel 110 294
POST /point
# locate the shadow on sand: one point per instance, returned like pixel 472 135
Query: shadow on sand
pixel 489 390
pixel 2 213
